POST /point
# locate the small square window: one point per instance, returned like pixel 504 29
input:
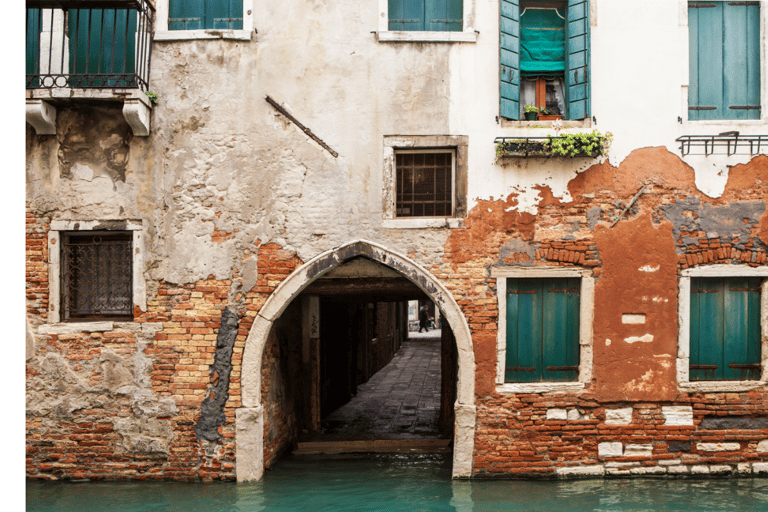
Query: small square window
pixel 97 276
pixel 424 182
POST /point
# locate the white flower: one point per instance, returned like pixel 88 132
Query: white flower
pixel 557 125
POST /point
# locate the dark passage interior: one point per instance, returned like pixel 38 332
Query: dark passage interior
pixel 341 374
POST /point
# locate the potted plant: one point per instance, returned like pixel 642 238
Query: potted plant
pixel 546 114
pixel 530 112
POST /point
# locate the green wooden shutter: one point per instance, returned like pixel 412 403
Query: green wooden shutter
pixel 577 84
pixel 724 60
pixel 542 330
pixel 186 14
pixel 509 59
pixel 406 14
pixel 34 27
pixel 224 14
pixel 102 42
pixel 560 320
pixel 725 329
pixel 443 15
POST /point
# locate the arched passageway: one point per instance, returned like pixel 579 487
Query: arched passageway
pixel 249 436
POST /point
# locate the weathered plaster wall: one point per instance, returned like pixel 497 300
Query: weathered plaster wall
pixel 234 197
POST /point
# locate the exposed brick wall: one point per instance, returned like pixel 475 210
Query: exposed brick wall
pixel 37 267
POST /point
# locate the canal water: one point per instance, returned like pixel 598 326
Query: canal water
pixel 397 482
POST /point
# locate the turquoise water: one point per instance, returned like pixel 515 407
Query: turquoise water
pixel 396 482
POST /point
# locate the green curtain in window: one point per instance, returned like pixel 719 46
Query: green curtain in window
pixel 542 41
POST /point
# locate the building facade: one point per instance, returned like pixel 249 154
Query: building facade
pixel 216 191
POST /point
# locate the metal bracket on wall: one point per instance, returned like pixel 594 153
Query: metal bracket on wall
pixel 303 128
pixel 626 208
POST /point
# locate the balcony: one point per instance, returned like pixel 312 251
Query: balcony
pixel 88 49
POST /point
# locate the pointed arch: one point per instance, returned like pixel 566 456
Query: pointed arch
pixel 249 438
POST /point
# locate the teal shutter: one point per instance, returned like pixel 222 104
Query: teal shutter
pixel 725 329
pixel 186 14
pixel 224 14
pixel 542 330
pixel 577 84
pixel 102 42
pixel 406 14
pixel 724 60
pixel 34 27
pixel 509 59
pixel 443 15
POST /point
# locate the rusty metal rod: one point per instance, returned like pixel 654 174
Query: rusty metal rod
pixel 303 128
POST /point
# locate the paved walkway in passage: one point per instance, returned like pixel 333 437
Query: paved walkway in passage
pixel 401 401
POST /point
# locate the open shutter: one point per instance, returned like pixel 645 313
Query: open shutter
pixel 577 60
pixel 560 326
pixel 443 15
pixel 509 59
pixel 186 14
pixel 406 14
pixel 102 45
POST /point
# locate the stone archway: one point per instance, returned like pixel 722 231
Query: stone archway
pixel 249 426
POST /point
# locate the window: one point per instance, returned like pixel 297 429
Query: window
pixel 424 183
pixel 544 57
pixel 724 61
pixel 544 328
pixel 426 15
pixel 725 328
pixel 96 270
pixel 721 337
pixel 205 14
pixel 96 275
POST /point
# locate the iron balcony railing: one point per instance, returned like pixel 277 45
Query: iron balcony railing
pixel 89 43
pixel 727 143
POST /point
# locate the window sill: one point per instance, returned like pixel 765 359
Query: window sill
pixel 539 387
pixel 580 123
pixel 415 36
pixel 721 386
pixel 76 327
pixel 187 35
pixel 450 223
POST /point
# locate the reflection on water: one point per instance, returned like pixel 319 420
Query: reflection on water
pixel 397 482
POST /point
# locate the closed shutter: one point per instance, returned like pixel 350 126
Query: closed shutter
pixel 406 14
pixel 724 60
pixel 102 45
pixel 509 59
pixel 34 27
pixel 577 62
pixel 443 15
pixel 186 14
pixel 224 14
pixel 725 329
pixel 542 330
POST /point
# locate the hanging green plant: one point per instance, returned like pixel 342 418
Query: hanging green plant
pixel 569 145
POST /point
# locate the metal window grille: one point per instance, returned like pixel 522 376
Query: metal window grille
pixel 97 276
pixel 89 43
pixel 424 181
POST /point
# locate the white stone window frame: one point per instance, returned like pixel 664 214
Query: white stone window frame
pixel 428 143
pixel 139 283
pixel 726 124
pixel 586 320
pixel 684 331
pixel 468 33
pixel 162 33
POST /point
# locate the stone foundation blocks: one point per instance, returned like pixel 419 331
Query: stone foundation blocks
pixel 611 449
pixel 678 415
pixel 618 416
pixel 581 472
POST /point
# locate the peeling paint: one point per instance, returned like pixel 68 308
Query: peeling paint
pixel 646 338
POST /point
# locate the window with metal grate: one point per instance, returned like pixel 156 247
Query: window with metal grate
pixel 97 276
pixel 424 183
